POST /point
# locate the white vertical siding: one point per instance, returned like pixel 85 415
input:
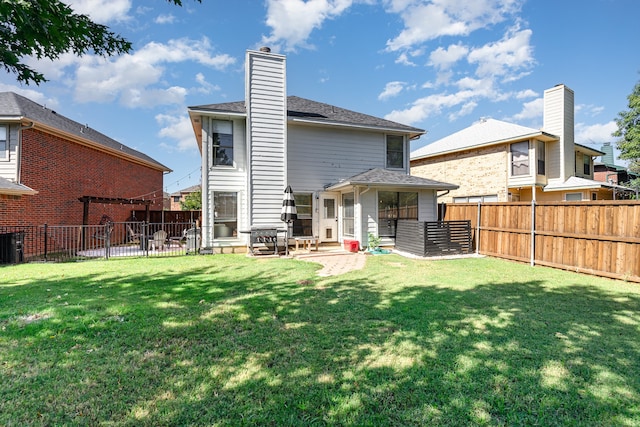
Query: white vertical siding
pixel 559 120
pixel 266 135
pixel 9 164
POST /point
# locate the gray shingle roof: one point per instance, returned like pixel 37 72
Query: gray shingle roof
pixel 387 178
pixel 16 106
pixel 301 109
pixel 13 188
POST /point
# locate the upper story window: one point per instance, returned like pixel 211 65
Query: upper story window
pixel 586 161
pixel 540 156
pixel 222 143
pixel 520 158
pixel 395 152
pixel 4 142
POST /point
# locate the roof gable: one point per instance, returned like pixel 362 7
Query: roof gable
pixel 14 106
pixel 484 132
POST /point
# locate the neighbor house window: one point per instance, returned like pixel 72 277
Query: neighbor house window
pixel 520 158
pixel 225 214
pixel 222 143
pixel 573 197
pixel 395 152
pixel 303 226
pixel 348 214
pixel 4 142
pixel 392 206
pixel 176 198
pixel 540 155
pixel 586 161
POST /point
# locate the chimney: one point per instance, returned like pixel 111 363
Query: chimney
pixel 266 103
pixel 558 120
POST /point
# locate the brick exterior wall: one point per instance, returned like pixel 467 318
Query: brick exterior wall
pixel 478 172
pixel 62 171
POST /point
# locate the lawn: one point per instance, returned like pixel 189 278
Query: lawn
pixel 230 340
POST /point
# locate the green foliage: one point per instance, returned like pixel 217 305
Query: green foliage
pixel 192 201
pixel 373 241
pixel 46 29
pixel 629 128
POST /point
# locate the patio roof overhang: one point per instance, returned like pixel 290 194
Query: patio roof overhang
pixel 384 178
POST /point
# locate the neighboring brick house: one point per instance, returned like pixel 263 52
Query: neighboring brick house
pixel 497 161
pixel 178 197
pixel 48 162
pixel 606 170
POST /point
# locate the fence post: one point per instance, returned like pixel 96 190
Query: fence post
pixel 107 239
pixel 145 237
pixel 478 230
pixel 46 233
pixel 533 233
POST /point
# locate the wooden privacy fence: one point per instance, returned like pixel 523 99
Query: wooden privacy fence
pixel 596 237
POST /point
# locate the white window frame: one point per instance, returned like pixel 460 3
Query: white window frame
pixel 212 133
pixel 394 139
pixel 4 142
pixel 567 199
pixel 219 218
pixel 516 161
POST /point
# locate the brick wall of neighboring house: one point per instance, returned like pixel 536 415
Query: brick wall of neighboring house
pixel 62 171
pixel 480 172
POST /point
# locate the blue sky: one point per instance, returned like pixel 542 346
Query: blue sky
pixel 439 65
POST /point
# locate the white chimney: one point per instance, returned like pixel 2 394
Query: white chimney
pixel 558 119
pixel 266 102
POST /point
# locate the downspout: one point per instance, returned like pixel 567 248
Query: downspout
pixel 19 151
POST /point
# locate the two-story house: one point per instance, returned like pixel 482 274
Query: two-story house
pixel 497 161
pixel 349 171
pixel 49 162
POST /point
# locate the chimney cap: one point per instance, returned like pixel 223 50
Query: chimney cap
pixel 266 49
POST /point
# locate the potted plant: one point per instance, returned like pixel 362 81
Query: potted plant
pixel 373 243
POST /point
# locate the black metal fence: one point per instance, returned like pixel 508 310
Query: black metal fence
pixel 434 238
pixel 59 243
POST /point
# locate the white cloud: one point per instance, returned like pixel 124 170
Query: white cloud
pixel 445 58
pixel 428 106
pixel 177 128
pixel 527 93
pixel 165 19
pixel 512 53
pixel 428 20
pixel 595 134
pixel 391 89
pixel 205 86
pixel 102 11
pixel 34 95
pixel 136 79
pixel 403 59
pixel 530 110
pixel 292 21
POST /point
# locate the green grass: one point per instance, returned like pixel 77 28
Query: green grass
pixel 230 340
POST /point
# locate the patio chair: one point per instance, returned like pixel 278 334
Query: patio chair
pixel 133 236
pixel 158 241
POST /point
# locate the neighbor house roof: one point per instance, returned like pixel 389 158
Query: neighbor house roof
pixel 483 133
pixel 577 183
pixel 187 190
pixel 17 108
pixel 10 188
pixel 301 110
pixel 386 178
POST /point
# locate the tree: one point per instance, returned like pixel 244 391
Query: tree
pixel 629 130
pixel 192 201
pixel 48 29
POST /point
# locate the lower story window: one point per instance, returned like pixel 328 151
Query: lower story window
pixel 225 214
pixel 348 214
pixel 392 206
pixel 303 226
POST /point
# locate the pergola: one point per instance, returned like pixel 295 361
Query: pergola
pixel 87 200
